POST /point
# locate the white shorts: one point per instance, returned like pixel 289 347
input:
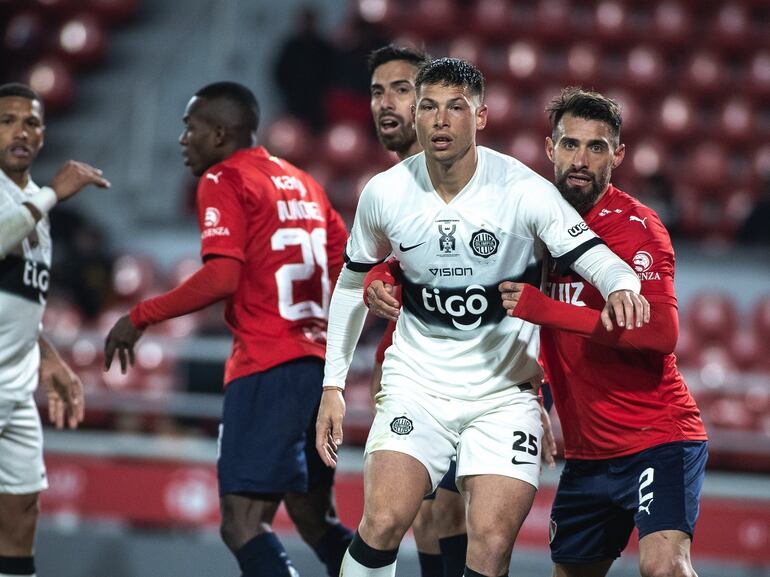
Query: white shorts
pixel 21 448
pixel 489 437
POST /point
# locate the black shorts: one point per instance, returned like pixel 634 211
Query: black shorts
pixel 598 503
pixel 267 435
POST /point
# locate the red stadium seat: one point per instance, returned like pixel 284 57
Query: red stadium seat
pixel 432 18
pixel 704 74
pixel 712 316
pixel 757 82
pixel 736 120
pixel 647 158
pixel 731 28
pixel 706 166
pixel 745 350
pixel 671 24
pixel 53 81
pixel 644 69
pixel 504 109
pixel 466 48
pixel 676 118
pixel 524 63
pixel 132 277
pixel 761 321
pixel 553 20
pixel 583 64
pixel 492 19
pixel 761 162
pixel 114 11
pixel 611 25
pixel 731 413
pixel 287 137
pixel 345 146
pixel 81 40
pixel 62 321
pixel 529 148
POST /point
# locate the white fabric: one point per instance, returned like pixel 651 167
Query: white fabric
pixel 21 448
pixel 347 313
pixel 434 429
pixel 599 266
pixel 20 318
pixel 455 339
pixel 352 568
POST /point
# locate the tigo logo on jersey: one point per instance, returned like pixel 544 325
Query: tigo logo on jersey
pixel 484 243
pixel 211 217
pixel 401 425
pixel 642 263
pixel 578 229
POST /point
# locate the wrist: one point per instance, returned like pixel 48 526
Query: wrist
pixel 43 200
pixel 333 388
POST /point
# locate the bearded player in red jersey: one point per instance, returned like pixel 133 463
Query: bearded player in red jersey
pixel 634 441
pixel 270 243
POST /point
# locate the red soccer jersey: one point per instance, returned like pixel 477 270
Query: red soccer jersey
pixel 278 222
pixel 614 402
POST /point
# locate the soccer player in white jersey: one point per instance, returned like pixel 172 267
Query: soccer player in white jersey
pixel 460 375
pixel 26 358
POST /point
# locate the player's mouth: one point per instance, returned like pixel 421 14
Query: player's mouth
pixel 389 124
pixel 579 179
pixel 20 151
pixel 441 141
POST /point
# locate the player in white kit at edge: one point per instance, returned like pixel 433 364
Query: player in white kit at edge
pixel 461 376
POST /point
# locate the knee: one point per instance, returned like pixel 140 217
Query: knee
pixel 19 533
pixel 666 567
pixel 237 528
pixel 383 529
pixel 423 523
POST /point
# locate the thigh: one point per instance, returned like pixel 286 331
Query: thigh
pixel 21 448
pixel 415 424
pixel 586 526
pixel 266 417
pixel 502 439
pixel 662 486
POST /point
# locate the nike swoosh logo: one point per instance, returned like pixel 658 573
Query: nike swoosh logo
pixel 403 248
pixel 517 462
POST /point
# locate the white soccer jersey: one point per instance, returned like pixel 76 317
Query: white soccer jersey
pixel 453 336
pixel 24 276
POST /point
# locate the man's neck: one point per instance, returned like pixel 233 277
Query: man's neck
pixel 411 151
pixel 449 179
pixel 20 178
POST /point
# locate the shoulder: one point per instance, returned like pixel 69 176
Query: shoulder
pixel 512 171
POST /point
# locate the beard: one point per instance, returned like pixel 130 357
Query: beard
pixel 582 200
pixel 399 141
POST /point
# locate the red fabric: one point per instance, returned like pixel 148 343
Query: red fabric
pixel 216 279
pixel 277 220
pixel 659 335
pixel 613 400
pixel 386 272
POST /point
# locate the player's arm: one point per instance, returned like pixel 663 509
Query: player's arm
pixel 379 290
pixel 66 403
pixel 17 222
pixel 336 237
pixel 528 303
pixel 217 279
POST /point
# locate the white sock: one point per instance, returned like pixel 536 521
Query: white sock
pixel 352 568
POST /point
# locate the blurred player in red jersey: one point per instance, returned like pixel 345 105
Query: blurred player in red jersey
pixel 634 441
pixel 439 528
pixel 270 243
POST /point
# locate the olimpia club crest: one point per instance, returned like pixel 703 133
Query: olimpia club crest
pixel 484 243
pixel 401 425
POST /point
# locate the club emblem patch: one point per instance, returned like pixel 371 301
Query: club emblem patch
pixel 484 243
pixel 401 425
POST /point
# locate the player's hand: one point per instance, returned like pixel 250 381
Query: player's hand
pixel 627 308
pixel 328 427
pixel 121 339
pixel 549 441
pixel 381 302
pixel 66 403
pixel 74 176
pixel 510 292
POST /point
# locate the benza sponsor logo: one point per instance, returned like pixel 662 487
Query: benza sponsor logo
pixel 578 229
pixel 211 217
pixel 642 262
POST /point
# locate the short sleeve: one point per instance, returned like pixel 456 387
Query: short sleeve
pixel 653 260
pixel 221 215
pixel 368 245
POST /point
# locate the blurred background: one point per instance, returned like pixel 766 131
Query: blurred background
pixel 134 492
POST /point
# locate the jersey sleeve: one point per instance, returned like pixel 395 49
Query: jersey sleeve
pixel 368 245
pixel 221 214
pixel 557 224
pixel 653 259
pixel 336 237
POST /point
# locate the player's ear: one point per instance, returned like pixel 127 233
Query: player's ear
pixel 618 156
pixel 549 145
pixel 220 135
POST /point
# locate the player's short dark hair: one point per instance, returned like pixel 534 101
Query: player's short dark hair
pixel 585 104
pixel 392 52
pixel 20 90
pixel 452 72
pixel 245 108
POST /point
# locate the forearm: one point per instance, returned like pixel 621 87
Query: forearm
pixel 47 350
pixel 660 335
pixel 347 313
pixel 217 279
pixel 17 222
pixel 606 271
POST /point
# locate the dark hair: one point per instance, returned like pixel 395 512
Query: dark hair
pixel 585 104
pixel 20 90
pixel 392 52
pixel 451 72
pixel 245 113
